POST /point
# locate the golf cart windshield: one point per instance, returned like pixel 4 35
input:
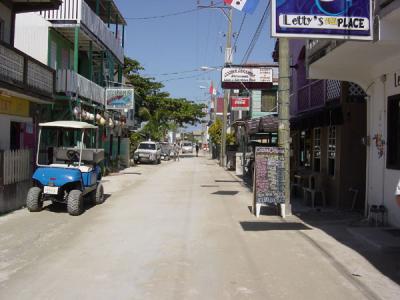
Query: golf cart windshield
pixel 55 138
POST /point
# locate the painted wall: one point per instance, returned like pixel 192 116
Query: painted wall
pixel 5 16
pixel 382 182
pixel 32 35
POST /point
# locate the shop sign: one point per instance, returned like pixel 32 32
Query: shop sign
pixel 240 103
pixel 120 98
pixel 246 77
pixel 14 106
pixel 315 19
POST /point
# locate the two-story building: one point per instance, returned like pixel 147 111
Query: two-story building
pixel 375 66
pixel 26 86
pixel 328 124
pixel 83 41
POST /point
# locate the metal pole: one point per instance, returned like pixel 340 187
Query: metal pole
pixel 228 60
pixel 284 127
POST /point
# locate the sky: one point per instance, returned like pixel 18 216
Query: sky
pixel 186 42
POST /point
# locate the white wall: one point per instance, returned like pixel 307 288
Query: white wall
pixel 5 15
pixel 32 35
pixel 382 182
pixel 5 121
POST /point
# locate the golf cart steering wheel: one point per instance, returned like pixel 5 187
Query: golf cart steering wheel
pixel 73 155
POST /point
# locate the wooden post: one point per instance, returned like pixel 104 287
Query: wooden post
pixel 76 49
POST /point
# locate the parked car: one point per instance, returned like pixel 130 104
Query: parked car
pixel 148 152
pixel 187 147
pixel 166 150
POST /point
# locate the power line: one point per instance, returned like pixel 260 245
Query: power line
pixel 173 14
pixel 186 77
pixel 256 34
pixel 240 30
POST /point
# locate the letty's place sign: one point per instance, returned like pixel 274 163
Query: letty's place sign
pixel 335 19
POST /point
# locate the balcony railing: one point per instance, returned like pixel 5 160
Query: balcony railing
pixel 71 83
pixel 24 72
pixel 315 95
pixel 79 12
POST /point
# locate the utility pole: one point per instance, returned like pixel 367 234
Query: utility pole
pixel 284 127
pixel 227 61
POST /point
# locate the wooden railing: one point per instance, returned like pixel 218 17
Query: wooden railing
pixel 22 71
pixel 72 83
pixel 78 11
pixel 15 166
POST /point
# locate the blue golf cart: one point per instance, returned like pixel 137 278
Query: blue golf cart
pixel 68 168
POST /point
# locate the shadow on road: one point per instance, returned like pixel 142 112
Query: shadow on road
pixel 225 193
pixel 268 226
pixel 339 224
pixel 57 207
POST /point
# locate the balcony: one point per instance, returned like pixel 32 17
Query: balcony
pixel 23 74
pixel 71 83
pixel 314 95
pixel 78 12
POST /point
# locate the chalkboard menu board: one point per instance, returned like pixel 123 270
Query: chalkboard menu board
pixel 269 180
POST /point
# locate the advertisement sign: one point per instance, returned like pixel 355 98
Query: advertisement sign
pixel 315 19
pixel 246 77
pixel 117 98
pixel 240 103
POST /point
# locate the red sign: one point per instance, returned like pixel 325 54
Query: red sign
pixel 240 103
pixel 220 105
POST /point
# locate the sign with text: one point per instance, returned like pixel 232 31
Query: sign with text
pixel 246 77
pixel 120 99
pixel 335 19
pixel 240 103
pixel 269 182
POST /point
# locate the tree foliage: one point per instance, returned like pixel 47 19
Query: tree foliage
pixel 162 112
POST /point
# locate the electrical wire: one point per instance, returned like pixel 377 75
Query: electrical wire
pixel 256 34
pixel 240 30
pixel 186 77
pixel 173 14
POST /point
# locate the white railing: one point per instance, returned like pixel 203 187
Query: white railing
pixel 78 11
pixel 72 83
pixel 17 166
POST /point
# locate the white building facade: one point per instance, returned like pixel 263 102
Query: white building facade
pixel 375 66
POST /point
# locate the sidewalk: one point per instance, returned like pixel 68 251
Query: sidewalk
pixel 369 254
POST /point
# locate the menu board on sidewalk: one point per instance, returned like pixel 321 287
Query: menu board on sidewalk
pixel 269 182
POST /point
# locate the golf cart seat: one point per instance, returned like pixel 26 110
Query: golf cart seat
pixel 90 156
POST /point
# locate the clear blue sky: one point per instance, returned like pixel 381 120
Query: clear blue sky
pixel 189 41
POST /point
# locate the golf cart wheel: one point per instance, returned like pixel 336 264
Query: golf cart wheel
pixel 100 194
pixel 75 203
pixel 34 201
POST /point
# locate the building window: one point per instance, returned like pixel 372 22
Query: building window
pixel 305 149
pixel 268 101
pixel 331 150
pixel 317 149
pixel 393 135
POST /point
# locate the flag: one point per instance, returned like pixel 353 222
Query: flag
pixel 211 90
pixel 247 6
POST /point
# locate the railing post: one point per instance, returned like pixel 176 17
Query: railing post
pixel 76 48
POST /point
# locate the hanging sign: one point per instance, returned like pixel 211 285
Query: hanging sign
pixel 240 103
pixel 315 19
pixel 246 77
pixel 269 182
pixel 120 99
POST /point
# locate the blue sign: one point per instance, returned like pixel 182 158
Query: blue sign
pixel 316 19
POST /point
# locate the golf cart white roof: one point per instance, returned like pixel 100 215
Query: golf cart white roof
pixel 68 124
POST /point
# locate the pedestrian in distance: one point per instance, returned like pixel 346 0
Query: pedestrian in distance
pixel 176 152
pixel 197 150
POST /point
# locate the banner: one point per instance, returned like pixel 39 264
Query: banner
pixel 240 103
pixel 329 19
pixel 120 99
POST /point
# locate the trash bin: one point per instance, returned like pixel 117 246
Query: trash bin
pixel 239 163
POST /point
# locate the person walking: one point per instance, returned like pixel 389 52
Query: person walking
pixel 197 150
pixel 176 152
